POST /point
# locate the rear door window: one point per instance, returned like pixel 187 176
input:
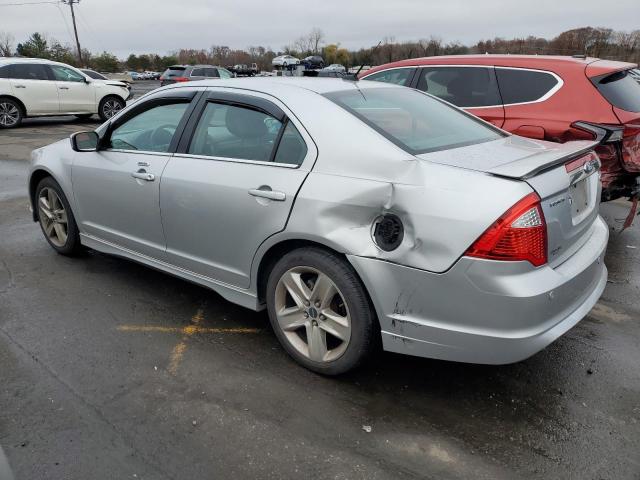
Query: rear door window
pixel 233 131
pixel 620 89
pixel 197 72
pixel 29 71
pixel 397 76
pixel 465 87
pixel 524 86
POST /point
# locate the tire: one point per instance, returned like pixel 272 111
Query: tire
pixel 55 206
pixel 11 113
pixel 109 106
pixel 345 310
pixel 84 116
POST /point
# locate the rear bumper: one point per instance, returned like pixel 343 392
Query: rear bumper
pixel 484 311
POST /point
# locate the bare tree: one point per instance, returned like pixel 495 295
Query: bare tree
pixel 316 39
pixel 6 44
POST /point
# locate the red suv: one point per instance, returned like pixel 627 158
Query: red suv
pixel 543 97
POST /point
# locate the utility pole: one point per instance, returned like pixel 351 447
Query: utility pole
pixel 75 28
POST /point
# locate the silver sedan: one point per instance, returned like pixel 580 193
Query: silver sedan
pixel 358 214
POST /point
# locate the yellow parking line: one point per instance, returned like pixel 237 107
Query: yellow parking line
pixel 190 329
pixel 194 327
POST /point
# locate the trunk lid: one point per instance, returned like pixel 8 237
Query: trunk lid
pixel 565 176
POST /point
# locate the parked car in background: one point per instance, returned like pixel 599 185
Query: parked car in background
pixel 313 62
pixel 335 67
pixel 543 97
pixel 363 225
pixel 191 73
pixel 152 75
pixel 32 87
pixel 136 75
pixel 245 70
pixel 285 61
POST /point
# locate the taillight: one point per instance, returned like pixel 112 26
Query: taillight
pixel 519 234
pixel 181 79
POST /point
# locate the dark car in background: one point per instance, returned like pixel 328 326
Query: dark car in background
pixel 555 98
pixel 313 62
pixel 190 73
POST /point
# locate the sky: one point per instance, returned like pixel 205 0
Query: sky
pixel 162 26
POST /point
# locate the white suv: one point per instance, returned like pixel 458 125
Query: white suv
pixel 31 87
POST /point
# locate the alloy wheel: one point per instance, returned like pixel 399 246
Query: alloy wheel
pixel 9 114
pixel 312 313
pixel 53 217
pixel 111 107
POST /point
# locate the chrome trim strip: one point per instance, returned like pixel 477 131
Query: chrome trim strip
pixel 236 160
pixel 546 96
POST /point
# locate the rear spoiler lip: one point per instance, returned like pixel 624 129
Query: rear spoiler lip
pixel 522 170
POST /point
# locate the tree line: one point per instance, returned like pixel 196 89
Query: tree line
pixel 598 42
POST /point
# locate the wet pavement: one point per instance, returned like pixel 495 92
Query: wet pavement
pixel 101 379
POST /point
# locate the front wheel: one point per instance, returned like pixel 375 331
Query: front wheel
pixel 56 218
pixel 109 106
pixel 320 311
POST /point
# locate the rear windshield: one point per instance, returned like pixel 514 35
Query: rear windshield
pixel 416 122
pixel 174 72
pixel 621 90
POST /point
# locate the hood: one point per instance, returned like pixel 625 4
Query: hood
pixel 512 156
pixel 115 83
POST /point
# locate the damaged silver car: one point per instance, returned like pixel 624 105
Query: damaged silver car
pixel 356 213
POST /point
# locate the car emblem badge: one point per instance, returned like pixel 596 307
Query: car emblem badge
pixel 589 167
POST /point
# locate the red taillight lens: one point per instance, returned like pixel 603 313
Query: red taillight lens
pixel 519 234
pixel 181 79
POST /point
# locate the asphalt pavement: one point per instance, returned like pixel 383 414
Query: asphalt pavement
pixel 102 376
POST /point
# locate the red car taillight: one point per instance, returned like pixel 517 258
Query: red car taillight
pixel 519 234
pixel 180 79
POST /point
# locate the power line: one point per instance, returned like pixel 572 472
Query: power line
pixel 24 3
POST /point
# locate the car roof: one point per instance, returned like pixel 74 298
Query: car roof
pixel 273 85
pixel 32 60
pixel 542 62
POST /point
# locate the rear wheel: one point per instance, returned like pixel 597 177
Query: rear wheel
pixel 109 106
pixel 10 113
pixel 55 217
pixel 320 311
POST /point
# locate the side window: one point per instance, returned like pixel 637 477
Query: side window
pixel 292 148
pixel 520 86
pixel 197 72
pixel 465 87
pixel 224 73
pixel 27 71
pixel 211 73
pixel 149 131
pixel 4 72
pixel 399 76
pixel 232 131
pixel 63 74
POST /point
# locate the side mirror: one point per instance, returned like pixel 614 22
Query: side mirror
pixel 85 141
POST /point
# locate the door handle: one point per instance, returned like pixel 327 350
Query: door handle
pixel 270 194
pixel 63 88
pixel 143 175
pixel 20 86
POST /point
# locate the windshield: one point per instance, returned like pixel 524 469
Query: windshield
pixel 621 90
pixel 174 72
pixel 416 122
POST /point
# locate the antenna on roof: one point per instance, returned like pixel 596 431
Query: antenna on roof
pixel 354 77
